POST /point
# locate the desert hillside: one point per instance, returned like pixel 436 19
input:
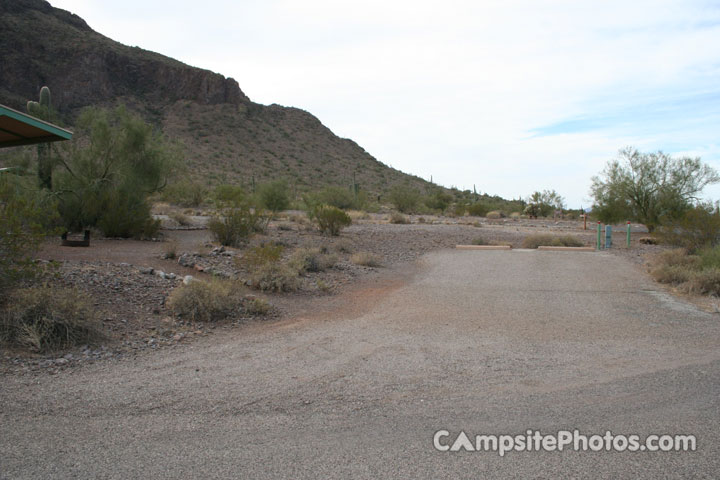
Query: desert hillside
pixel 226 136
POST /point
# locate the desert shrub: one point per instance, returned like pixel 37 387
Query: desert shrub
pixel 331 220
pixel 228 195
pixel 706 281
pixel 494 215
pixel 184 194
pixel 366 259
pixel 404 198
pixel 438 200
pixel 26 215
pixel 206 301
pixel 478 209
pixel 458 210
pixel 275 277
pixel 677 257
pixel 709 257
pixel 257 307
pixel 479 241
pixel 534 241
pixel 311 260
pixel 399 219
pixel 673 274
pixel 344 245
pixel 692 273
pixel 262 254
pixel 181 219
pixel 266 270
pixel 45 319
pixel 697 228
pixel 274 195
pixel 236 224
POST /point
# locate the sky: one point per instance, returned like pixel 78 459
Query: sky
pixel 507 96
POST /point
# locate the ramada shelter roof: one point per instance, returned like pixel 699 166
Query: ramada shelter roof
pixel 17 128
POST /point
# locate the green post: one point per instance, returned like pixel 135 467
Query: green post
pixel 599 236
pixel 628 234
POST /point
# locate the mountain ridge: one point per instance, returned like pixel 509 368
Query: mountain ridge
pixel 226 136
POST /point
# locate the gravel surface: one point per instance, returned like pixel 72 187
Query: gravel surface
pixel 485 342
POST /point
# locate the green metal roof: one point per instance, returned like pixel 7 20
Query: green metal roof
pixel 17 128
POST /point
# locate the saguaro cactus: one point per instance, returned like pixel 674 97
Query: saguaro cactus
pixel 42 110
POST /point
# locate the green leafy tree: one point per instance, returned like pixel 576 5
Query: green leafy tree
pixel 543 204
pixel 114 164
pixel 649 188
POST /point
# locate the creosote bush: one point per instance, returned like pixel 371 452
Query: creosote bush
pixel 535 241
pixel 44 319
pixel 236 224
pixel 331 220
pixel 206 301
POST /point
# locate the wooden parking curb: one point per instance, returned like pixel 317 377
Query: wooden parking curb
pixel 566 249
pixel 483 247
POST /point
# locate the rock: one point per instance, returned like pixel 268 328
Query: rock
pixel 161 274
pixel 61 361
pixel 170 276
pixel 123 264
pixel 188 279
pixel 227 253
pixel 199 268
pixel 186 260
pixel 146 270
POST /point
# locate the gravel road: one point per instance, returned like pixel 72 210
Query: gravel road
pixel 485 342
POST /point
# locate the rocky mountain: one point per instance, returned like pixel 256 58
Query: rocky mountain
pixel 226 136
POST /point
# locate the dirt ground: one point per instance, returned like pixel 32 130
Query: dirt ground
pixel 132 304
pixel 355 384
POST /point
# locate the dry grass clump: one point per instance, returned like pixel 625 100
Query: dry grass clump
pixel 399 219
pixel 479 241
pixel 311 260
pixel 257 307
pixel 366 259
pixel 44 319
pixel 535 241
pixel 698 273
pixel 344 246
pixel 358 215
pixel 495 215
pixel 206 301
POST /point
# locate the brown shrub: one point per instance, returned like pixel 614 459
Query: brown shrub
pixel 44 319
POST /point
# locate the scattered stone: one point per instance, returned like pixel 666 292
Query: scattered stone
pixel 199 267
pixel 170 276
pixel 188 279
pixel 147 270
